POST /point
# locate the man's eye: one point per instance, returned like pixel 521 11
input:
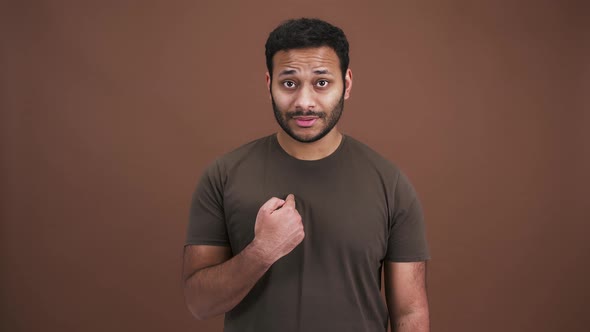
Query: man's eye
pixel 322 83
pixel 289 84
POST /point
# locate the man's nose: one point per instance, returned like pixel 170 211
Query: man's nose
pixel 305 99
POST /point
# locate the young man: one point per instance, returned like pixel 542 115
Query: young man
pixel 291 232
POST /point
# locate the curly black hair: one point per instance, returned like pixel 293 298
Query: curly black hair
pixel 304 33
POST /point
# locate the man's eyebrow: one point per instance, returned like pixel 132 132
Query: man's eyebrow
pixel 322 72
pixel 287 72
pixel 293 71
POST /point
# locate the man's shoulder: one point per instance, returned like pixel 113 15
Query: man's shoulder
pixel 372 162
pixel 364 153
pixel 249 150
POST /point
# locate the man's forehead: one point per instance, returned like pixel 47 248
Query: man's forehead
pixel 314 58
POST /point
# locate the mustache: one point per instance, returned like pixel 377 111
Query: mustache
pixel 308 113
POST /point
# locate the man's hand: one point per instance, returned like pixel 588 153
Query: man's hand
pixel 215 282
pixel 278 229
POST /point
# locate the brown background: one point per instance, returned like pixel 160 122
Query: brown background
pixel 112 109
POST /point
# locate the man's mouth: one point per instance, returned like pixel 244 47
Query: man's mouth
pixel 305 121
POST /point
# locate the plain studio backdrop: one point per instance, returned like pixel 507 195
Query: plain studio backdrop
pixel 110 111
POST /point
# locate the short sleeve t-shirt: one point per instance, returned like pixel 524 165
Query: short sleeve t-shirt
pixel 357 209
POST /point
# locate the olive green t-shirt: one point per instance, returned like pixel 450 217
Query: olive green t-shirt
pixel 357 210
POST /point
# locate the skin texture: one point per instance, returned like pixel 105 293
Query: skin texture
pixel 302 94
pixel 405 292
pixel 305 82
pixel 308 80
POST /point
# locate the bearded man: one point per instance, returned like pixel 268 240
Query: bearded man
pixel 291 232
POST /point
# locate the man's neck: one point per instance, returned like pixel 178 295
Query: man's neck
pixel 310 151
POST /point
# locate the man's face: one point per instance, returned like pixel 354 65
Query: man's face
pixel 308 92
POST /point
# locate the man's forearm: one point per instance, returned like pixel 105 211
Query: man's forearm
pixel 217 289
pixel 417 321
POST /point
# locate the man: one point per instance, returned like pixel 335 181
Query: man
pixel 291 232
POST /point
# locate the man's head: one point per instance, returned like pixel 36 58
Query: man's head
pixel 308 77
pixel 306 33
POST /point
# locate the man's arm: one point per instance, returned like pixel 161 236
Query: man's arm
pixel 405 291
pixel 215 282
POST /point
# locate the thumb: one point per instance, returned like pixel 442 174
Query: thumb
pixel 290 201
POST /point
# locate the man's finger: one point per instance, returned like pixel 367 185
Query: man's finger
pixel 272 204
pixel 290 201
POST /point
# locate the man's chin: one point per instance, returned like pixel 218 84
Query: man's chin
pixel 300 135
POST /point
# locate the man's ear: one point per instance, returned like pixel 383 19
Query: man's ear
pixel 268 82
pixel 347 83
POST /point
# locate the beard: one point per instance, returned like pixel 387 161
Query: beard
pixel 330 120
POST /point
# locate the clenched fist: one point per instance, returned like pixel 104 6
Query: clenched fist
pixel 278 228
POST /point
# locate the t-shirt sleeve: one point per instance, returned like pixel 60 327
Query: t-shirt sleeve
pixel 407 234
pixel 206 218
